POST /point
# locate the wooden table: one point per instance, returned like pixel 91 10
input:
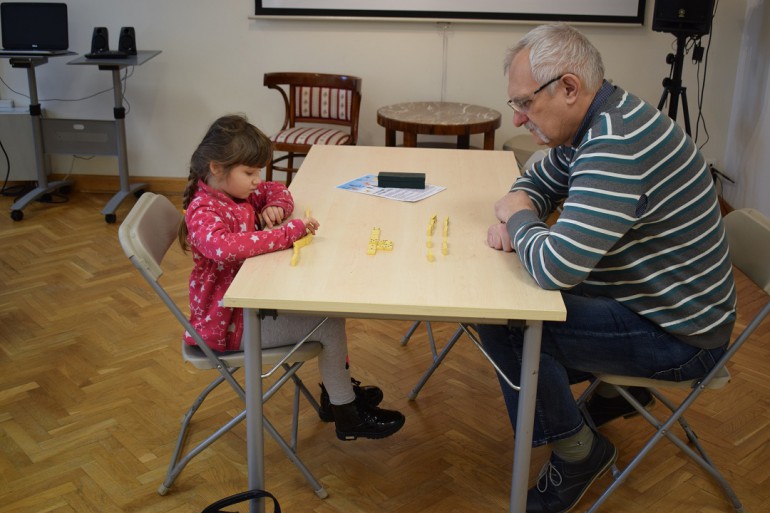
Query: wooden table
pixel 438 118
pixel 336 277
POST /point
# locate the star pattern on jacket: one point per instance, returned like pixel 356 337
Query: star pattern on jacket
pixel 222 234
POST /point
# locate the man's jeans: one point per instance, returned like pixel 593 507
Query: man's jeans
pixel 599 336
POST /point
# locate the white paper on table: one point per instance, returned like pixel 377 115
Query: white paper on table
pixel 367 184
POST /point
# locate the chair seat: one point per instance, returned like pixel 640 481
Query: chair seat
pixel 721 379
pixel 311 135
pixel 271 356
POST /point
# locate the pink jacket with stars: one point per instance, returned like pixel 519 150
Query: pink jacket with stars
pixel 222 233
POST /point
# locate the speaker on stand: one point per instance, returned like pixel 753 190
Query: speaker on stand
pixel 127 40
pixel 100 40
pixel 684 19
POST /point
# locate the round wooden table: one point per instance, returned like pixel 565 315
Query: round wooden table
pixel 438 118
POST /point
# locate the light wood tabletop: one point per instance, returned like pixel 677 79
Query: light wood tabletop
pixel 335 276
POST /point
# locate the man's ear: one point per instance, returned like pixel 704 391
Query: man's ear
pixel 572 86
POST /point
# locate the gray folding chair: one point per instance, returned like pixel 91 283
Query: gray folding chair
pixel 748 232
pixel 147 233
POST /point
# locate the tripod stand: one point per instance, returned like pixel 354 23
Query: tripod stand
pixel 673 85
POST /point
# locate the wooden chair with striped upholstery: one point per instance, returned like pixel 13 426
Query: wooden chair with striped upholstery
pixel 319 109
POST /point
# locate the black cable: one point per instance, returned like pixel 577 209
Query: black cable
pixel 25 95
pixel 702 87
pixel 19 190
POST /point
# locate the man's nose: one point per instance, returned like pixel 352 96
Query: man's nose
pixel 519 118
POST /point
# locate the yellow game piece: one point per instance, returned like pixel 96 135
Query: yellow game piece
pixel 304 241
pixel 429 243
pixel 375 243
pixel 431 258
pixel 444 248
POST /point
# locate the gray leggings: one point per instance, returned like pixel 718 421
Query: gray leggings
pixel 288 329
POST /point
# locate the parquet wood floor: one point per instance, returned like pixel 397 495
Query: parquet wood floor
pixel 92 390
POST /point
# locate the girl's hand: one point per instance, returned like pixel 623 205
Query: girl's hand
pixel 272 216
pixel 311 224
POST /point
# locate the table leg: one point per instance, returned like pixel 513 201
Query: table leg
pixel 390 137
pixel 463 142
pixel 526 416
pixel 489 140
pixel 255 443
pixel 410 139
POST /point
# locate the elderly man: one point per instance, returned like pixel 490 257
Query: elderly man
pixel 638 251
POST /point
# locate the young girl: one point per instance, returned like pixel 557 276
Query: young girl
pixel 232 215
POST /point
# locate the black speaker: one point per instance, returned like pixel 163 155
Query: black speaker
pixel 127 40
pixel 100 40
pixel 690 17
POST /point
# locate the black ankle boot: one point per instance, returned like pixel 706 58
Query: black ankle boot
pixel 358 419
pixel 371 395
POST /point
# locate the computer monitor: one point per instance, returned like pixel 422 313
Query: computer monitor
pixel 34 26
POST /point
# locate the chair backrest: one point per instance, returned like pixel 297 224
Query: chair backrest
pixel 748 233
pixel 148 232
pixel 318 98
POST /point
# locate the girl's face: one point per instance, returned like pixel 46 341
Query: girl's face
pixel 238 183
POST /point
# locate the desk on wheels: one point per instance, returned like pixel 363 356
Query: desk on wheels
pixel 116 139
pixel 79 136
pixel 336 277
pixel 44 187
pixel 438 118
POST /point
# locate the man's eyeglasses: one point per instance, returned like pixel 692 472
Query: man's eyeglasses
pixel 522 105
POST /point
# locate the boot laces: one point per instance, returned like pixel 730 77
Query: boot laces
pixel 549 473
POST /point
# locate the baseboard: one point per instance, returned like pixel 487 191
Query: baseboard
pixel 110 184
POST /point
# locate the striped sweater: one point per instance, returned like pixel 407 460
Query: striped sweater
pixel 640 222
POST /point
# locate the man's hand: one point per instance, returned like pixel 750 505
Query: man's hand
pixel 511 203
pixel 498 238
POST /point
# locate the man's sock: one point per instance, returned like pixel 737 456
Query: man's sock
pixel 575 448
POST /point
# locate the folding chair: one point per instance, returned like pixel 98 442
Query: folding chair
pixel 147 233
pixel 748 232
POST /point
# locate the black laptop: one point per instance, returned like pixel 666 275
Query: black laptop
pixel 34 28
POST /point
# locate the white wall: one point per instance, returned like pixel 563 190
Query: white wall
pixel 214 58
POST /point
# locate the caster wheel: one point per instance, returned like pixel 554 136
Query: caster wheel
pixel 65 189
pixel 138 194
pixel 45 198
pixel 17 215
pixel 110 218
